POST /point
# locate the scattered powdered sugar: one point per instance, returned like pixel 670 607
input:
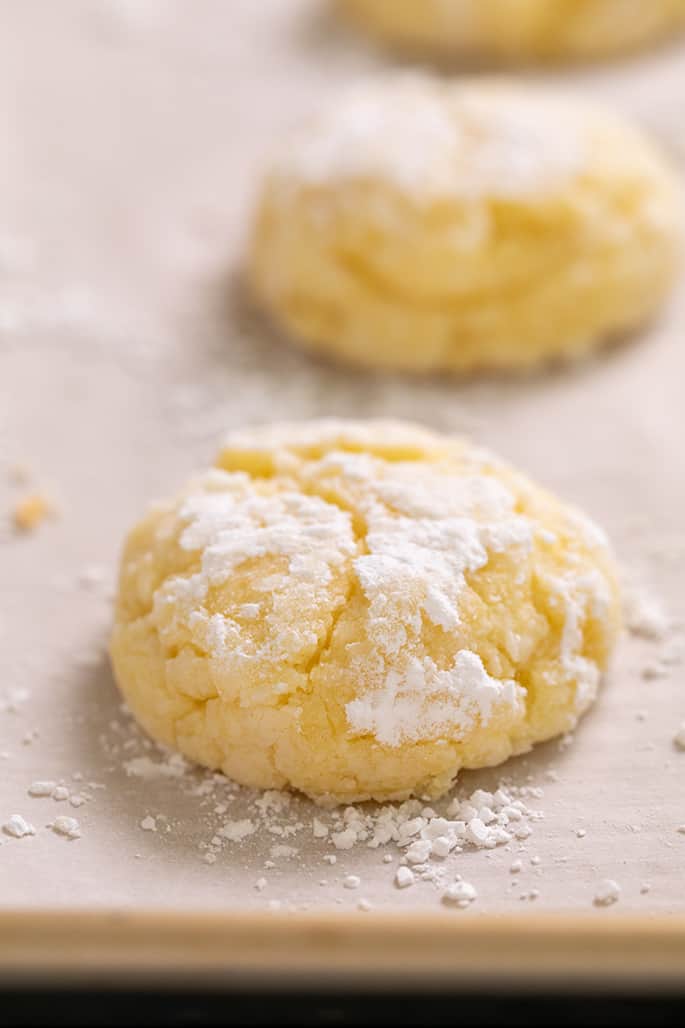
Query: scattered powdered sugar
pixel 419 844
pixel 67 826
pixel 424 837
pixel 644 615
pixel 433 139
pixel 608 892
pixel 647 620
pixel 460 893
pixel 47 788
pixel 174 766
pixel 42 788
pixel 404 877
pixel 236 831
pixel 18 827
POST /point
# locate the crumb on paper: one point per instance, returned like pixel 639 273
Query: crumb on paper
pixel 42 787
pixel 67 826
pixel 31 511
pixel 607 893
pixel 460 894
pixel 404 877
pixel 17 827
pixel 645 616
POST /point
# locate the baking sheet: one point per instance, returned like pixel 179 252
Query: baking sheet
pixel 135 132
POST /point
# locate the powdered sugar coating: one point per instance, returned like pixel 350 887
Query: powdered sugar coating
pixel 433 140
pixel 426 703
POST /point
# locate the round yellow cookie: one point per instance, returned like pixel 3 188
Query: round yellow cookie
pixel 360 609
pixel 518 29
pixel 422 225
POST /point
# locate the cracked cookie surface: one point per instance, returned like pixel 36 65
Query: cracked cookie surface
pixel 360 609
pixel 420 224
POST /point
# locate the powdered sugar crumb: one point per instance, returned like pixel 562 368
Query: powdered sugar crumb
pixel 43 787
pixel 460 894
pixel 174 766
pixel 17 827
pixel 607 893
pixel 404 877
pixel 67 826
pixel 644 615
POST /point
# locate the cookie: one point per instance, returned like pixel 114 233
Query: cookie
pixel 515 30
pixel 359 610
pixel 422 225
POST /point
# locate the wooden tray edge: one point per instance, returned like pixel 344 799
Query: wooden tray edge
pixel 444 949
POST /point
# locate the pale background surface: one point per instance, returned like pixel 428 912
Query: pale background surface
pixel 133 137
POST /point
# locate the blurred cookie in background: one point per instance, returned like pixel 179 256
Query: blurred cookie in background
pixel 422 225
pixel 514 30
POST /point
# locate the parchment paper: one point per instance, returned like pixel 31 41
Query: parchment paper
pixel 134 133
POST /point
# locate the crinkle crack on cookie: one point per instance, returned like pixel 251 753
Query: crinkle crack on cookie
pixel 514 30
pixel 359 610
pixel 420 225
